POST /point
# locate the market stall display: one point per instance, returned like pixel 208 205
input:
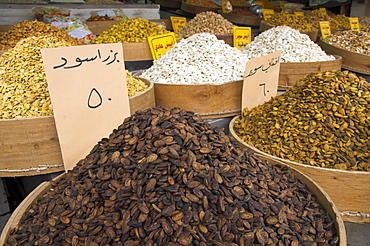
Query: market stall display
pixel 299 54
pixel 200 73
pixel 27 129
pixel 352 46
pixel 165 176
pixel 319 126
pixel 133 33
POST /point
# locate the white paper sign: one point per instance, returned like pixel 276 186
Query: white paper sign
pixel 261 79
pixel 88 91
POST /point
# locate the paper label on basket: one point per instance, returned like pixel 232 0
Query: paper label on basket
pixel 261 79
pixel 178 23
pixel 88 91
pixel 355 25
pixel 241 36
pixel 160 44
pixel 323 10
pixel 325 29
pixel 226 6
pixel 267 13
pixel 299 13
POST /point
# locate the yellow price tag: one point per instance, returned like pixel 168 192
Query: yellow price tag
pixel 226 6
pixel 325 29
pixel 355 25
pixel 282 5
pixel 241 36
pixel 323 10
pixel 267 13
pixel 299 13
pixel 178 23
pixel 160 44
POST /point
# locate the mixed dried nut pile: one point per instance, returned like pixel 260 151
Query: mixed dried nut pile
pixel 324 121
pixel 165 177
pixel 355 41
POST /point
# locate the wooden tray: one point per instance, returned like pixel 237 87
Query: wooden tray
pixel 291 72
pixel 313 34
pixel 322 197
pixel 242 20
pixel 30 145
pixel 353 61
pixel 348 189
pixel 194 9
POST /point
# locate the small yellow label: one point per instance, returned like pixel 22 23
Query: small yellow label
pixel 267 13
pixel 241 36
pixel 355 25
pixel 299 13
pixel 323 10
pixel 178 23
pixel 160 44
pixel 226 6
pixel 325 29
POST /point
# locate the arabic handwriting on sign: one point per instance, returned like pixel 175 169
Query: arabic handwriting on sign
pixel 95 99
pixel 271 62
pixel 80 61
pixel 264 89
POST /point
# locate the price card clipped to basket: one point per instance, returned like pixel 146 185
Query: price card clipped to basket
pixel 325 29
pixel 160 44
pixel 226 6
pixel 88 91
pixel 178 23
pixel 241 36
pixel 323 10
pixel 355 25
pixel 261 79
pixel 267 13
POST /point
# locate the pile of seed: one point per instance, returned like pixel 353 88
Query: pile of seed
pixel 209 22
pixel 130 31
pixel 203 3
pixel 134 85
pixel 323 121
pixel 165 177
pixel 294 46
pixel 23 87
pixel 355 41
pixel 243 12
pixel 364 20
pixel 315 16
pixel 289 19
pixel 26 28
pixel 199 59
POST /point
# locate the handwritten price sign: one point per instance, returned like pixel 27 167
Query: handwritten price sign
pixel 241 36
pixel 325 29
pixel 88 91
pixel 261 79
pixel 226 6
pixel 160 44
pixel 355 25
pixel 267 13
pixel 178 23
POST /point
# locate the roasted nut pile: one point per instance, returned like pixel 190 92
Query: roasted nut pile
pixel 242 12
pixel 199 59
pixel 26 28
pixel 364 20
pixel 23 87
pixel 355 41
pixel 134 85
pixel 239 3
pixel 288 19
pixel 294 46
pixel 315 16
pixel 99 18
pixel 133 30
pixel 165 177
pixel 207 22
pixel 322 121
pixel 204 3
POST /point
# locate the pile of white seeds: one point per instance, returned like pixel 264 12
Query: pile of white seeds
pixel 294 46
pixel 199 59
